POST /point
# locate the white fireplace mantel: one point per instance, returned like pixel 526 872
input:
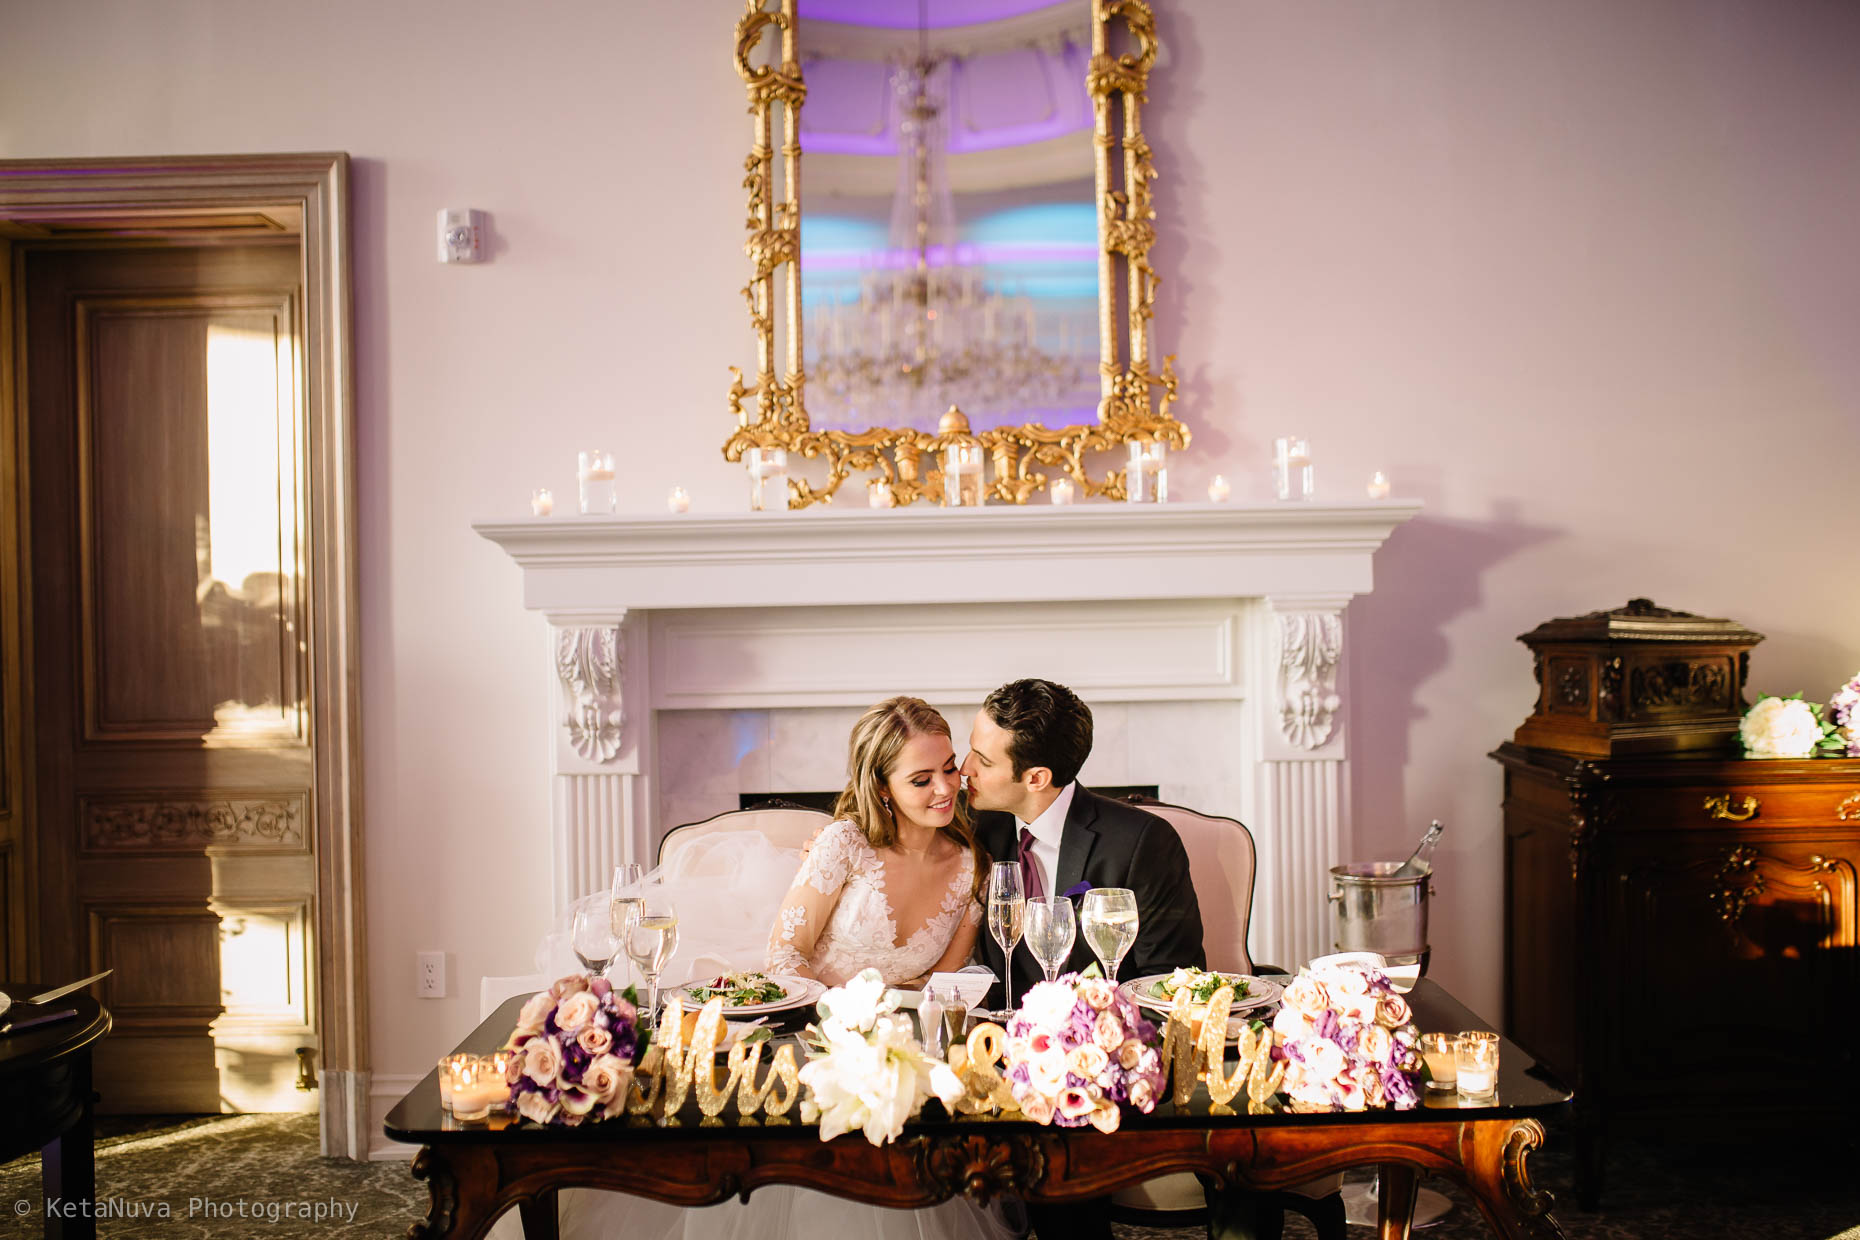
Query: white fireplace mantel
pixel 1158 606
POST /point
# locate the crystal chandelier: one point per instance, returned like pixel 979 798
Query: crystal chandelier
pixel 930 327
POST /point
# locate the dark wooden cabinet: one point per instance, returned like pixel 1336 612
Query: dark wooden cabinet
pixel 1680 935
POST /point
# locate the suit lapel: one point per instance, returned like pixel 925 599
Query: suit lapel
pixel 1080 838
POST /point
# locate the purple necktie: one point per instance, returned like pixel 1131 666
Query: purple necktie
pixel 1029 868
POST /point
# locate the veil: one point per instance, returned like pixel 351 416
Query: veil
pixel 727 888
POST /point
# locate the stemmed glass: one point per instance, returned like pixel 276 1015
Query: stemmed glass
pixel 593 937
pixel 1051 930
pixel 1109 919
pixel 651 939
pixel 1007 911
pixel 623 897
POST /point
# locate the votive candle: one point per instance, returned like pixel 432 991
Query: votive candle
pixel 878 494
pixel 1218 490
pixel 1439 1050
pixel 679 500
pixel 1062 490
pixel 1476 1065
pixel 1378 485
pixel 542 501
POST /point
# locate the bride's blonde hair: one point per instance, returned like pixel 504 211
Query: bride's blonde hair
pixel 877 739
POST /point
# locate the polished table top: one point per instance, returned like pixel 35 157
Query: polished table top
pixel 1525 1090
pixel 24 1050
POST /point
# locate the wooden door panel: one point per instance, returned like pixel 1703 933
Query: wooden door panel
pixel 174 760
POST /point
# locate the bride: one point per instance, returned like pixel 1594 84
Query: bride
pixel 891 884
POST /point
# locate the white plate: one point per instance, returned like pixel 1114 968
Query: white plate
pixel 1260 992
pixel 5 1002
pixel 802 992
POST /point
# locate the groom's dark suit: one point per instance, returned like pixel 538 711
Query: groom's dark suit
pixel 1109 844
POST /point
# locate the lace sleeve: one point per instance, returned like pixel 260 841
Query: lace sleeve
pixel 810 901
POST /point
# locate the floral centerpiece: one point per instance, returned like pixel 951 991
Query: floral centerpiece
pixel 1844 715
pixel 576 1045
pixel 1347 1041
pixel 865 1068
pixel 1076 1049
pixel 1779 727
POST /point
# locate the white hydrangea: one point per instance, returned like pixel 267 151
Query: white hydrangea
pixel 1780 728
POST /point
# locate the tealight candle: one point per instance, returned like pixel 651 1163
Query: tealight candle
pixel 477 1088
pixel 1476 1065
pixel 1218 490
pixel 1062 490
pixel 1439 1050
pixel 878 494
pixel 542 501
pixel 1378 485
pixel 451 1067
pixel 679 500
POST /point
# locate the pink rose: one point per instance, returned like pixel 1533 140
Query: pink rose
pixel 1037 1108
pixel 574 983
pixel 1393 1011
pixel 1108 1032
pixel 530 1019
pixel 575 1011
pixel 595 1040
pixel 542 1061
pixel 536 1108
pixel 1306 995
pixel 1373 1043
pixel 1129 1053
pixel 1087 1061
pixel 1142 1096
pixel 1096 992
pixel 1104 1117
pixel 606 1078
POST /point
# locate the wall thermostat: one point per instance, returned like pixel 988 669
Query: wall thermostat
pixel 461 235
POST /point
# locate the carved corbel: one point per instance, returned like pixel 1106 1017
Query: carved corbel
pixel 588 663
pixel 1310 645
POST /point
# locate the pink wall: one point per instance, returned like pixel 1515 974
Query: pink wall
pixel 1584 277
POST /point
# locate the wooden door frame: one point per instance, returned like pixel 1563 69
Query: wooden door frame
pixel 317 184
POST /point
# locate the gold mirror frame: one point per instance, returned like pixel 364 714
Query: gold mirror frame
pixel 908 459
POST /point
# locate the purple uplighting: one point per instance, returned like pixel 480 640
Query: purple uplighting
pixel 902 14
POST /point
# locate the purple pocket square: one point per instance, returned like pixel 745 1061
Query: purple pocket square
pixel 1076 889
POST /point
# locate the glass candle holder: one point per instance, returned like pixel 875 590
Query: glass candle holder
pixel 1218 490
pixel 962 476
pixel 451 1068
pixel 1291 468
pixel 542 502
pixel 1439 1050
pixel 1378 487
pixel 678 501
pixel 878 494
pixel 476 1088
pixel 1146 481
pixel 768 479
pixel 1475 1062
pixel 595 474
pixel 1062 490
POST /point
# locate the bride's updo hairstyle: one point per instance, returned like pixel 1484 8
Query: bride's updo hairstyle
pixel 877 739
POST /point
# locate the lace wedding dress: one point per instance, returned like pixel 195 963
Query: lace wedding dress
pixel 837 921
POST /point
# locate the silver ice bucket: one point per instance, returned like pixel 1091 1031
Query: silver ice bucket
pixel 1374 912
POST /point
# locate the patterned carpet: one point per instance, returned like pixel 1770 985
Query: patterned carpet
pixel 203 1171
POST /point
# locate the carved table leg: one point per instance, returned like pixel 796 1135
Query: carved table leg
pixel 1395 1188
pixel 1501 1183
pixel 539 1216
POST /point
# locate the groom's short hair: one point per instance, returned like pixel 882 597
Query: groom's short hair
pixel 1049 725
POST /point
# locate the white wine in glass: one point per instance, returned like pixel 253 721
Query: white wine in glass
pixel 651 940
pixel 1007 911
pixel 1051 930
pixel 1109 919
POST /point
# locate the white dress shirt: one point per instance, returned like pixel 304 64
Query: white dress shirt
pixel 1048 829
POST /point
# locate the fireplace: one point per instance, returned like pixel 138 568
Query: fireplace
pixel 696 658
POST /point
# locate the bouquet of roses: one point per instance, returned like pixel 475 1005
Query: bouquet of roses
pixel 576 1045
pixel 865 1069
pixel 1347 1041
pixel 1844 714
pixel 1076 1049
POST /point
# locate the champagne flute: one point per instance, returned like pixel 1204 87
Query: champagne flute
pixel 651 940
pixel 1051 930
pixel 1007 910
pixel 1109 919
pixel 623 896
pixel 593 937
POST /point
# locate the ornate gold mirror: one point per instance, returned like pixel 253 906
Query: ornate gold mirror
pixel 978 202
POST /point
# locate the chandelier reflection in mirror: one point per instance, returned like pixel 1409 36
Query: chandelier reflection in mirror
pixel 929 320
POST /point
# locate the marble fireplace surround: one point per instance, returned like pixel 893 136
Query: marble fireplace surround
pixel 697 655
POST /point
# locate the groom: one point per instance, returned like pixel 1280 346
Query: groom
pixel 1026 748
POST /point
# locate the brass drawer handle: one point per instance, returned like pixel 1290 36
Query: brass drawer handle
pixel 1849 809
pixel 1721 807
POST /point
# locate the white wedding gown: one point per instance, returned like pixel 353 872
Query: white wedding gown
pixel 840 923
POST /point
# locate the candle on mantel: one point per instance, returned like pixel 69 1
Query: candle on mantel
pixel 1378 485
pixel 542 501
pixel 1062 490
pixel 678 501
pixel 878 493
pixel 1218 490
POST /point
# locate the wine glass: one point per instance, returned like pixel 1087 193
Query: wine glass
pixel 651 939
pixel 593 937
pixel 1109 920
pixel 1007 910
pixel 1051 930
pixel 623 896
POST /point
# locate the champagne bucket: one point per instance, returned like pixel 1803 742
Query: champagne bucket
pixel 1374 912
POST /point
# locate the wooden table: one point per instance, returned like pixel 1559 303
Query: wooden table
pixel 45 1104
pixel 476 1172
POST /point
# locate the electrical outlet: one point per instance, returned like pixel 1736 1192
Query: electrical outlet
pixel 432 975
